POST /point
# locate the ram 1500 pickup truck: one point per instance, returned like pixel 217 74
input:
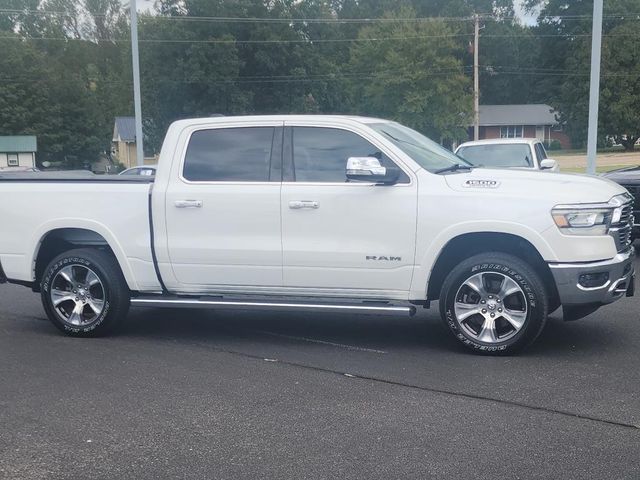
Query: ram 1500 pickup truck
pixel 328 213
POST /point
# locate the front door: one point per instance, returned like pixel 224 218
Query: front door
pixel 223 214
pixel 341 237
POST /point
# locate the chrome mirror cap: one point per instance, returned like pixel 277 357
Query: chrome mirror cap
pixel 365 166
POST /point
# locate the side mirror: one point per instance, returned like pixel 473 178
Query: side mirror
pixel 548 164
pixel 369 169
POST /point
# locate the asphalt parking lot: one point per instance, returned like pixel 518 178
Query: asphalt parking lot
pixel 194 394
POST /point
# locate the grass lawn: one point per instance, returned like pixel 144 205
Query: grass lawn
pixel 583 151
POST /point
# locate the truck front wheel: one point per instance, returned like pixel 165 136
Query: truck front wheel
pixel 84 292
pixel 494 303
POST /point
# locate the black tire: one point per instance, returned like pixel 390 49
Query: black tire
pixel 532 299
pixel 114 299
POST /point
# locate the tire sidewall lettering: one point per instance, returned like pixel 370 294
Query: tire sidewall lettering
pixel 74 260
pixel 452 323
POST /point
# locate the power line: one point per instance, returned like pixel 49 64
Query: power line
pixel 247 42
pixel 312 41
pixel 336 20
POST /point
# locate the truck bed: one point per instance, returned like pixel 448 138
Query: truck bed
pixel 74 176
pixel 115 207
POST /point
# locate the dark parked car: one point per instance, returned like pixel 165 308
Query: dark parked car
pixel 629 178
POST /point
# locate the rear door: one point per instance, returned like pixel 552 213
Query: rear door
pixel 223 214
pixel 341 237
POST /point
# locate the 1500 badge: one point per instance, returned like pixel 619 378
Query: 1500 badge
pixel 481 184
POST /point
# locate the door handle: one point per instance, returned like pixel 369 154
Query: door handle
pixel 298 204
pixel 188 203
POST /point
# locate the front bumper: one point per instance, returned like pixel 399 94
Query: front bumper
pixel 620 272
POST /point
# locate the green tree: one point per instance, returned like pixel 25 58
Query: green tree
pixel 418 80
pixel 508 58
pixel 26 106
pixel 620 91
pixel 564 35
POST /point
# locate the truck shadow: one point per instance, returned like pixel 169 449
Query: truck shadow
pixel 424 331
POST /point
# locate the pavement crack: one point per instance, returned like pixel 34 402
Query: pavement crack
pixel 442 391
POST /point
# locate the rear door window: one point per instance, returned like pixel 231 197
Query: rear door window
pixel 229 155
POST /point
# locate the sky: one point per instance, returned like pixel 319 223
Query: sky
pixel 527 19
pixel 147 5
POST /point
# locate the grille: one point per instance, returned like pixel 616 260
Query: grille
pixel 634 190
pixel 621 231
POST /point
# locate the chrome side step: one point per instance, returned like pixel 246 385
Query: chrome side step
pixel 378 308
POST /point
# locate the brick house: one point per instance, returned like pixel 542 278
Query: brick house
pixel 521 121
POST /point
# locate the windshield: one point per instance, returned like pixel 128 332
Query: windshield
pixel 503 155
pixel 427 153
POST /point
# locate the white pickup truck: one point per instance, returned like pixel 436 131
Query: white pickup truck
pixel 328 213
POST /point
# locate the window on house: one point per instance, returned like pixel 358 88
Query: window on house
pixel 12 160
pixel 512 131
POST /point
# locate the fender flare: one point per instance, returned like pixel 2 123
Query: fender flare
pixel 43 230
pixel 426 263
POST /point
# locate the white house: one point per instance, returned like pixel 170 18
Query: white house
pixel 18 151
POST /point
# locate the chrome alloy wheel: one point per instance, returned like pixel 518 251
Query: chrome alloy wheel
pixel 77 295
pixel 490 307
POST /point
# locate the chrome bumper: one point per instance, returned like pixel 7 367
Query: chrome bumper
pixel 620 272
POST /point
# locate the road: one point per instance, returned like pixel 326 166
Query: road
pixel 195 394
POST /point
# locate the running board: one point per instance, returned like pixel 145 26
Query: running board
pixel 378 308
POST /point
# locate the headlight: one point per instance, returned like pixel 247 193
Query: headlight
pixel 582 220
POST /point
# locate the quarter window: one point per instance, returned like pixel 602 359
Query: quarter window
pixel 541 153
pixel 229 155
pixel 12 160
pixel 320 154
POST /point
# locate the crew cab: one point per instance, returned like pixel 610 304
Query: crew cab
pixel 508 153
pixel 323 213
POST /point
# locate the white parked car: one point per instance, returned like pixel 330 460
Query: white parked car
pixel 323 213
pixel 508 153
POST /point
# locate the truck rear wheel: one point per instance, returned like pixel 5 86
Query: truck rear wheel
pixel 494 303
pixel 84 293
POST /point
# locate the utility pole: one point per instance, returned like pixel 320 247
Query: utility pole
pixel 476 80
pixel 594 87
pixel 137 102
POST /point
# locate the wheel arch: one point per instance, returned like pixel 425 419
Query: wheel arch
pixel 468 244
pixel 53 240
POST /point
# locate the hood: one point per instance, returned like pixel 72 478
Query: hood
pixel 624 175
pixel 557 187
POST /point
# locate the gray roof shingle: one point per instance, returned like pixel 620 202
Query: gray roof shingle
pixel 125 128
pixel 535 114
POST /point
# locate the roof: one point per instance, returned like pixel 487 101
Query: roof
pixel 536 114
pixel 249 119
pixel 125 129
pixel 18 143
pixel 500 141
